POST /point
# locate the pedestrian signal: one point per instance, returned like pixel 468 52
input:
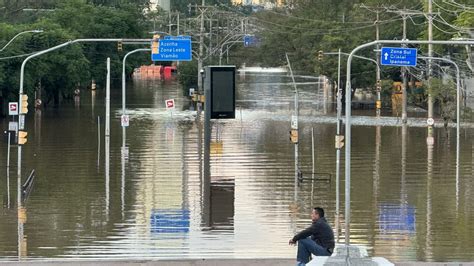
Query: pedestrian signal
pixel 22 137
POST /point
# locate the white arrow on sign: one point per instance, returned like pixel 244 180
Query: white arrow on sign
pixel 13 108
pixel 170 104
pixel 386 56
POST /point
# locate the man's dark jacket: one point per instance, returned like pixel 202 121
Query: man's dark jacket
pixel 320 232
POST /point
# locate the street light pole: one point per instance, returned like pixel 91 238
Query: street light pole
pixel 295 122
pixel 16 36
pixel 458 111
pixel 21 117
pixel 338 133
pixel 124 85
pixel 348 115
pixel 221 52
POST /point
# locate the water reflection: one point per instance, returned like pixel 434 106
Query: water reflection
pixel 155 184
pixel 22 240
pixel 107 176
pixel 21 215
pixel 429 181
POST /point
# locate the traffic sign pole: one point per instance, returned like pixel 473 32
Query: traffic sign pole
pixel 22 73
pixel 124 84
pixel 13 108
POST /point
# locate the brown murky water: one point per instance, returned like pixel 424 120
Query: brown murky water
pixel 406 201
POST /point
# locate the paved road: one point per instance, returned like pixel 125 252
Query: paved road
pixel 207 262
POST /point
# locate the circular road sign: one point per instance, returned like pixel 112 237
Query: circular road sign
pixel 430 121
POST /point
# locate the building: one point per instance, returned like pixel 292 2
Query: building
pixel 164 4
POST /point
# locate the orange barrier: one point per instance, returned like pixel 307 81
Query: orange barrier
pixel 154 71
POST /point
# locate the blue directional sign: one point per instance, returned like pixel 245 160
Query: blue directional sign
pixel 169 221
pixel 250 40
pixel 398 56
pixel 171 50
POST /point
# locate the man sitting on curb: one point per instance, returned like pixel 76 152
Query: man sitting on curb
pixel 321 242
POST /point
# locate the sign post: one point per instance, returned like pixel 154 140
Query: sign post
pixel 170 104
pixel 125 120
pixel 13 108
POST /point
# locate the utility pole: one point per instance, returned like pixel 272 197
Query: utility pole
pixel 377 10
pixel 430 139
pixel 404 70
pixel 201 46
pixel 177 22
pixel 377 78
pixel 404 76
pixel 210 35
pixel 169 23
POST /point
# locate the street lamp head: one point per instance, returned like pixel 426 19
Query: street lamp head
pixel 37 31
pixel 158 32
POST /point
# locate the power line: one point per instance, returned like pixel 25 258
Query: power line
pixel 312 33
pixel 316 20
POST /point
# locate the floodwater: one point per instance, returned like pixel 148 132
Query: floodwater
pixel 407 204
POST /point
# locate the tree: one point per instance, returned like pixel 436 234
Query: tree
pixel 60 72
pixel 89 21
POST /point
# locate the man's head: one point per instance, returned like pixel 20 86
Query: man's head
pixel 317 213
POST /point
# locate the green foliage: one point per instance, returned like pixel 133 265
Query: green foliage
pixel 188 73
pixel 444 93
pixel 327 26
pixel 61 71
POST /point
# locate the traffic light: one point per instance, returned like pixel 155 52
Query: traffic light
pixel 294 136
pixel 155 44
pixel 379 85
pixel 22 137
pixel 119 46
pixel 320 55
pixel 339 141
pixel 24 104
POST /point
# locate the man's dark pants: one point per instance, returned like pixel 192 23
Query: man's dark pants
pixel 306 247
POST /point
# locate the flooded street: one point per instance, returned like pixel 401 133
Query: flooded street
pixel 406 202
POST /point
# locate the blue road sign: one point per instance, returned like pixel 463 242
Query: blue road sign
pixel 171 50
pixel 391 56
pixel 169 221
pixel 250 40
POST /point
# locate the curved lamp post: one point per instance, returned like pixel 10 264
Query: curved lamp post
pixel 14 37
